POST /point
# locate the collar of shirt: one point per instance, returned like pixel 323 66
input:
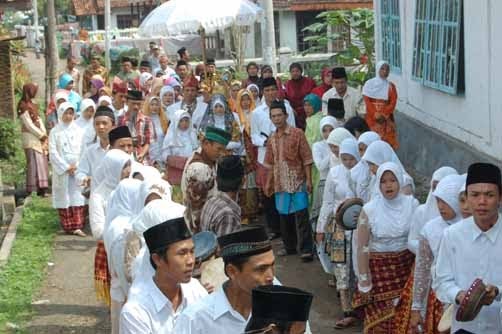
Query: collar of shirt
pixel 491 234
pixel 286 131
pixel 160 300
pixel 229 201
pixel 222 306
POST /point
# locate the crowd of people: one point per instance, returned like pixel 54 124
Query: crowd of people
pixel 166 161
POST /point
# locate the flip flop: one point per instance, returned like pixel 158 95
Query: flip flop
pixel 346 323
pixel 80 233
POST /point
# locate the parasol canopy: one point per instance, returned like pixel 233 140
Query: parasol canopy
pixel 177 17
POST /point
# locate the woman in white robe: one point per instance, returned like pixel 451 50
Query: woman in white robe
pixel 122 207
pixel 86 122
pixel 179 145
pixel 360 175
pixel 324 159
pixel 427 211
pixel 332 237
pixel 116 166
pixel 64 151
pixel 425 306
pixel 383 259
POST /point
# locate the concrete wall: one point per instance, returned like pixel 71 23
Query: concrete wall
pixel 287 30
pixel 473 120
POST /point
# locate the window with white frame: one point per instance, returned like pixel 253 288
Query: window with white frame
pixel 438 45
pixel 391 33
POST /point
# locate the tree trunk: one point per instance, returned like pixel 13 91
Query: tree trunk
pixel 52 47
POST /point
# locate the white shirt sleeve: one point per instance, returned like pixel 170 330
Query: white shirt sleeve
pixel 134 320
pixel 256 137
pixel 59 165
pixel 97 215
pixel 328 202
pixel 444 282
pixel 84 167
pixel 291 115
pixel 321 160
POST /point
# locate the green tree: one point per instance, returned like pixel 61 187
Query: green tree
pixel 357 30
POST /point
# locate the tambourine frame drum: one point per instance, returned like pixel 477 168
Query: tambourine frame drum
pixel 471 304
pixel 345 213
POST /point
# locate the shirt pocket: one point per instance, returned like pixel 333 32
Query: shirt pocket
pixel 291 150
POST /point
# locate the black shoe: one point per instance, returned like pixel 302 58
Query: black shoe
pixel 307 257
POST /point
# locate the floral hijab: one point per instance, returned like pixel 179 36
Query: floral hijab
pixel 210 118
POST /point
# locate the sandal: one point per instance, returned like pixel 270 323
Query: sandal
pixel 346 323
pixel 80 233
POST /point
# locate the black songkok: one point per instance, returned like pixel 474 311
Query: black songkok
pixel 268 82
pixel 145 63
pixel 105 111
pixel 134 95
pixel 166 233
pixel 244 243
pixel 210 61
pixel 339 73
pixel 229 173
pixel 336 108
pixel 484 173
pixel 278 304
pixel 118 133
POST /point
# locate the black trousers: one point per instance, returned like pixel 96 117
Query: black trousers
pixel 271 214
pixel 296 232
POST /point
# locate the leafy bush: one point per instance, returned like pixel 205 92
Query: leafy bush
pixel 12 158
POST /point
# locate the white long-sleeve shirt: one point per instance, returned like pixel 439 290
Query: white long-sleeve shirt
pixel 151 312
pixel 467 253
pixel 262 127
pixel 352 102
pixel 90 159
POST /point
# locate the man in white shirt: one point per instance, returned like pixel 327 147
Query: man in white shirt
pixel 352 98
pixel 261 129
pixel 158 302
pixel 195 108
pixel 91 157
pixel 164 66
pixel 471 249
pixel 249 263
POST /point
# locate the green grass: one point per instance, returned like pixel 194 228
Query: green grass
pixel 23 274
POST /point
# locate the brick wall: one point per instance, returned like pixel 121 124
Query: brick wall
pixel 6 82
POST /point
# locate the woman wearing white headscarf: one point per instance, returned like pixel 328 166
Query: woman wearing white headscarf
pixel 383 259
pixel 360 175
pixel 324 159
pixel 145 83
pixel 167 98
pixel 86 122
pixel 378 153
pixel 116 165
pixel 122 207
pixel 255 91
pixel 335 139
pixel 65 141
pixel 380 97
pixel 330 236
pixel 179 145
pixel 160 123
pixel 419 305
pixel 428 210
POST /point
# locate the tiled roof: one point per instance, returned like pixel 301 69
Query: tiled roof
pixel 303 5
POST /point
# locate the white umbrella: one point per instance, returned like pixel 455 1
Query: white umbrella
pixel 177 17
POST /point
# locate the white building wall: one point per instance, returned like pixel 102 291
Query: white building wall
pixel 474 118
pixel 287 30
pixel 119 11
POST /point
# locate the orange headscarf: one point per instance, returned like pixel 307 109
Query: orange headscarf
pixel 240 112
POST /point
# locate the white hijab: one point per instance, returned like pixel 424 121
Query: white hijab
pixel 327 120
pixel 107 175
pixel 378 87
pixel 390 218
pixel 338 135
pixel 154 213
pixel 448 190
pixel 349 146
pixel 429 210
pixel 368 137
pixel 178 138
pixel 166 90
pixel 63 107
pixel 121 208
pixel 81 121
